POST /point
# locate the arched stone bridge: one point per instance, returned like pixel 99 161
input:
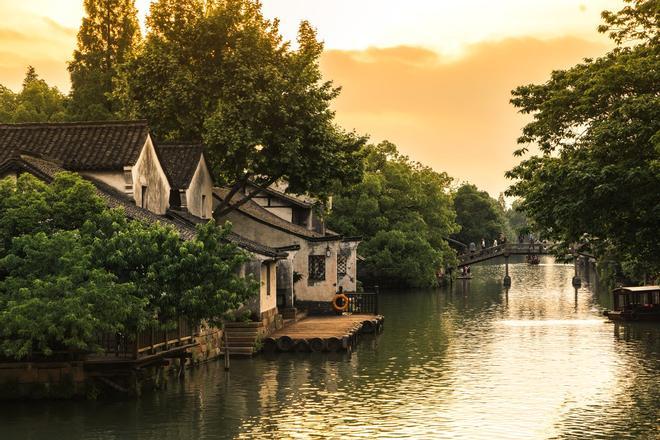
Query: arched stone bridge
pixel 502 250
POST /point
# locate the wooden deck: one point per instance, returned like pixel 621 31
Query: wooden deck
pixel 323 333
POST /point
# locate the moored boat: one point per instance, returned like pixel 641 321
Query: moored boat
pixel 635 304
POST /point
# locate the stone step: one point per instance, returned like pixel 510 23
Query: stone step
pixel 242 330
pixel 241 350
pixel 233 340
pixel 246 342
pixel 243 324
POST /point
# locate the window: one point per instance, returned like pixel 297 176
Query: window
pixel 203 206
pixel 143 200
pixel 299 216
pixel 267 278
pixel 341 264
pixel 316 267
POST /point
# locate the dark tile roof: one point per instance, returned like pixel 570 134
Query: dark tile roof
pixel 294 200
pixel 259 213
pixel 47 170
pixel 179 162
pixel 117 199
pixel 43 169
pixel 108 145
pixel 183 222
pixel 241 241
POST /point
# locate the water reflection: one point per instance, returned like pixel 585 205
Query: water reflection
pixel 471 361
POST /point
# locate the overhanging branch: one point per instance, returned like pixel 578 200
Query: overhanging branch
pixel 226 206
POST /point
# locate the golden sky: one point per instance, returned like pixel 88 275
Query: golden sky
pixel 432 76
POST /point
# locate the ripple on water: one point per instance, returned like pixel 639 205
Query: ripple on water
pixel 473 362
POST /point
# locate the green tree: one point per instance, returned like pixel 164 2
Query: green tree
pixel 70 269
pixel 517 219
pixel 53 297
pixel 403 212
pixel 36 102
pixel 597 124
pixel 109 33
pixel 479 216
pixel 219 72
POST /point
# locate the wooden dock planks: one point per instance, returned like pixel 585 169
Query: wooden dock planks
pixel 322 333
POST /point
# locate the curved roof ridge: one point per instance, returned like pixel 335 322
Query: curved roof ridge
pixel 76 123
pixel 97 145
pixel 258 212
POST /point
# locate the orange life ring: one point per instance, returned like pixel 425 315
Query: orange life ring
pixel 344 303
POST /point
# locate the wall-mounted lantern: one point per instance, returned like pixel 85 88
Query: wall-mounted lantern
pixel 327 251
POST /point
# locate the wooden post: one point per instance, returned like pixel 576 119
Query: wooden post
pixel 182 365
pixel 376 289
pixel 577 282
pixel 135 346
pixel 224 337
pixel 507 278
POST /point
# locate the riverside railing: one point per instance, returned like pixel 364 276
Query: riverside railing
pixel 149 341
pixel 363 302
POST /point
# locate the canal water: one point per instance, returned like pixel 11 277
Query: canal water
pixel 473 361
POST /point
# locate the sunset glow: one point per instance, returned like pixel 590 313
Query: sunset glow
pixel 434 77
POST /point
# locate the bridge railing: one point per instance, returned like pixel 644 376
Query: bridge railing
pixel 501 250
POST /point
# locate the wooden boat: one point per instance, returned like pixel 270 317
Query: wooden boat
pixel 635 304
pixel 464 277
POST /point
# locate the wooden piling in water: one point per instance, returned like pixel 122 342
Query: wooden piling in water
pixel 269 345
pixel 224 336
pixel 317 345
pixel 302 346
pixel 284 343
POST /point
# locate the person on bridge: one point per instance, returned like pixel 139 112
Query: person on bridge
pixel 483 243
pixel 495 243
pixel 473 247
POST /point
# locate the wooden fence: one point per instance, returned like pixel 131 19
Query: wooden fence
pixel 363 302
pixel 150 341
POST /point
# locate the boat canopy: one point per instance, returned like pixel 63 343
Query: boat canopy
pixel 626 297
pixel 637 289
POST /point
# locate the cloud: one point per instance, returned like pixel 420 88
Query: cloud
pixel 451 114
pixel 55 26
pixel 11 35
pixel 38 41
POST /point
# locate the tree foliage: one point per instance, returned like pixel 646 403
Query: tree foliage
pixel 71 269
pixel 219 72
pixel 36 102
pixel 403 212
pixel 479 216
pixel 597 124
pixel 109 33
pixel 517 220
